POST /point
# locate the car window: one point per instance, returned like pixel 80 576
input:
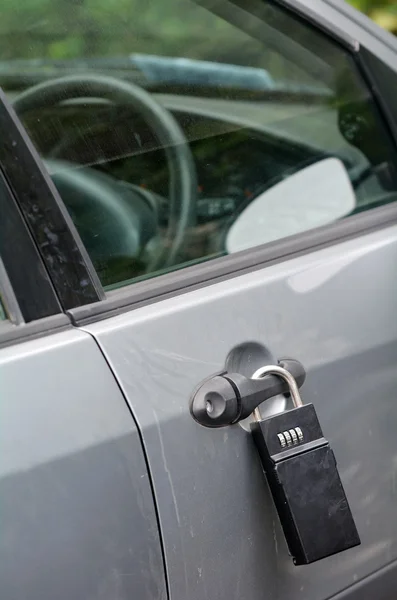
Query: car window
pixel 169 128
pixel 4 285
pixel 3 316
pixel 7 299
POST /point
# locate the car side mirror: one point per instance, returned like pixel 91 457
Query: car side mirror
pixel 314 196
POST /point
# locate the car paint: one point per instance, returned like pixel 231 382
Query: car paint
pixel 334 310
pixel 78 514
pixel 76 507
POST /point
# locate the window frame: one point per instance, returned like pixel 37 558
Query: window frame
pixel 343 30
pixel 27 288
pixel 46 217
pixel 11 334
pixel 9 302
pixel 42 314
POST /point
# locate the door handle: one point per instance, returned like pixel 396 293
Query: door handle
pixel 227 398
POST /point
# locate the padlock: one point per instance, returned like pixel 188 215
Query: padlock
pixel 303 478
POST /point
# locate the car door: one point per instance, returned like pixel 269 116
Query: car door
pixel 77 510
pixel 328 301
pixel 324 295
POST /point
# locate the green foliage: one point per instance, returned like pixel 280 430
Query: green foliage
pixel 368 6
pixel 384 12
pixel 75 28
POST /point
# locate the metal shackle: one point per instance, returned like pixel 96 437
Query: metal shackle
pixel 284 374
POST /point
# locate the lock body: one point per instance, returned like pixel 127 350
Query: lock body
pixel 303 477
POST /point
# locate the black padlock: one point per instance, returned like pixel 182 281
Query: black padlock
pixel 303 478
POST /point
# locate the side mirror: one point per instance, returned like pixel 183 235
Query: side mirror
pixel 314 196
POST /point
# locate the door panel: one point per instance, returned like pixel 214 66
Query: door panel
pixel 334 310
pixel 77 513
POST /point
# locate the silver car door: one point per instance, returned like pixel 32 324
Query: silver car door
pixel 77 512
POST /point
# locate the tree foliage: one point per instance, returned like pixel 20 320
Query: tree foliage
pixel 64 29
pixel 384 12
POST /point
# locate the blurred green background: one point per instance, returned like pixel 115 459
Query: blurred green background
pixel 384 12
pixel 63 29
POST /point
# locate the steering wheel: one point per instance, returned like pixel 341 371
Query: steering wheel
pixel 182 171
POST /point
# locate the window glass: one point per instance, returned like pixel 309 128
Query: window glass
pixel 3 316
pixel 184 130
pixel 4 284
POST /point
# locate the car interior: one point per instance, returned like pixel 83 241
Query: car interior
pixel 154 167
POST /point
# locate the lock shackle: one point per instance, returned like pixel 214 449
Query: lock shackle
pixel 284 374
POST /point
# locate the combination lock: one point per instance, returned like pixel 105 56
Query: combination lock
pixel 303 478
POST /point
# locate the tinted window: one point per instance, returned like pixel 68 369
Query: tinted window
pixel 164 123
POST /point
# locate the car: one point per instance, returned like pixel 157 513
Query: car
pixel 190 189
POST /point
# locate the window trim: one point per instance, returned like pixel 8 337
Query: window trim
pixel 342 22
pixel 29 281
pixel 383 85
pixel 11 334
pixel 315 18
pixel 42 314
pixel 209 272
pixel 9 300
pixel 67 262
